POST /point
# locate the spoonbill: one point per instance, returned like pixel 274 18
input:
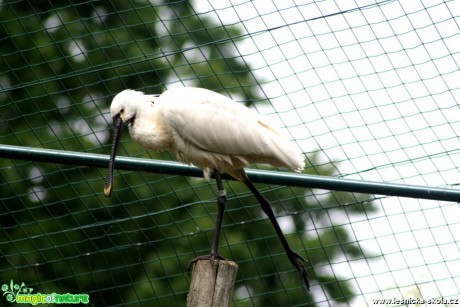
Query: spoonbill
pixel 212 132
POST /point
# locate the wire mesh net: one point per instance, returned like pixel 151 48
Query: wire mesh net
pixel 367 90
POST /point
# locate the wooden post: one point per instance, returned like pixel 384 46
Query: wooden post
pixel 212 283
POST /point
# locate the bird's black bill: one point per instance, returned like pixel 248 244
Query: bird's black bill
pixel 117 127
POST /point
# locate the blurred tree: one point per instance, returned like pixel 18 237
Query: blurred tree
pixel 62 62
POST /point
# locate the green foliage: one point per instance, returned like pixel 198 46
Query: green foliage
pixel 61 64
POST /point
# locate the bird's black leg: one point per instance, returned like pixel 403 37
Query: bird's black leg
pixel 221 201
pixel 295 258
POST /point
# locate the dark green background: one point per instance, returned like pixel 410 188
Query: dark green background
pixel 61 64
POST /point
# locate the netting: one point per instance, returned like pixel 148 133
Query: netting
pixel 367 90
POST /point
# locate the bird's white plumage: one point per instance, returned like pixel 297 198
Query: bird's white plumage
pixel 204 128
pixel 210 131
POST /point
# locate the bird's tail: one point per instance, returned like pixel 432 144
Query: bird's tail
pixel 285 154
pixel 290 156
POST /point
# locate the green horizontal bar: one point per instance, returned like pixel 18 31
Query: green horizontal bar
pixel 257 176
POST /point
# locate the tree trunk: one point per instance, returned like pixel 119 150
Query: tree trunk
pixel 212 283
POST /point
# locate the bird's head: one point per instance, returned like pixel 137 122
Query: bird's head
pixel 125 105
pixel 123 109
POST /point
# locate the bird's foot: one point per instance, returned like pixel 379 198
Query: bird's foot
pixel 204 257
pixel 298 262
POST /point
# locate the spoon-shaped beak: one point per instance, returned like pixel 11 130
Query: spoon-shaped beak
pixel 117 128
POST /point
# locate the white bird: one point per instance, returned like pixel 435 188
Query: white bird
pixel 212 132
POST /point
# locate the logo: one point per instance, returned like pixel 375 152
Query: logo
pixel 21 294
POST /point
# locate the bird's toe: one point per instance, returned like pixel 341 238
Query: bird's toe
pixel 298 262
pixel 204 257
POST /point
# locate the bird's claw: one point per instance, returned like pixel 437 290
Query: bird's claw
pixel 204 257
pixel 298 262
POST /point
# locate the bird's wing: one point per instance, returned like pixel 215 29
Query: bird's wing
pixel 215 123
pixel 211 121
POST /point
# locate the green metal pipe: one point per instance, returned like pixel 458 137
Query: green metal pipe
pixel 257 176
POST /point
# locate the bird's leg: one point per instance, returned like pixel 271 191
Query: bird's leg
pixel 221 201
pixel 295 258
